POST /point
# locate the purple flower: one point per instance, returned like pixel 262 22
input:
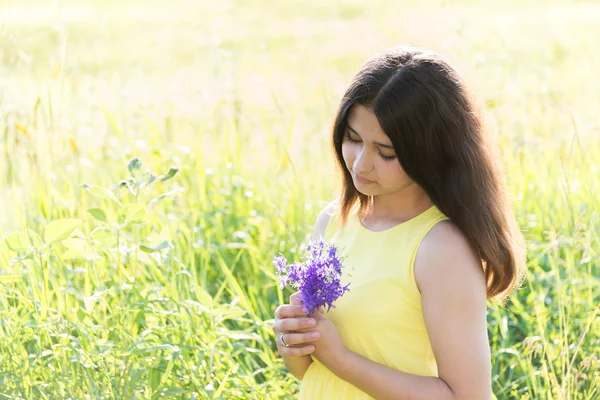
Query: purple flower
pixel 317 279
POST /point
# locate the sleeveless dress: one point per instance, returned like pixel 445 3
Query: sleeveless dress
pixel 380 317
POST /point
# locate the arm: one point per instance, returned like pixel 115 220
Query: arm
pixel 297 365
pixel 451 281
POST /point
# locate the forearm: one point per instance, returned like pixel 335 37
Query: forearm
pixel 385 383
pixel 297 365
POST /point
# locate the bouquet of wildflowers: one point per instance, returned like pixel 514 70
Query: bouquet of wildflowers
pixel 317 279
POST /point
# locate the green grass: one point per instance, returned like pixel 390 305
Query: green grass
pixel 169 290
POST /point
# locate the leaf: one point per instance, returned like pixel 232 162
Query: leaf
pixel 167 194
pixel 78 234
pixel 135 213
pixel 154 378
pixel 102 193
pixel 20 241
pixel 227 312
pixel 98 213
pixel 201 307
pixel 112 122
pixel 147 259
pixel 171 173
pixel 242 335
pixel 217 394
pixel 10 278
pixel 169 368
pixel 134 164
pixel 73 254
pixel 36 239
pixel 104 236
pixel 76 244
pixel 60 229
pixel 157 347
pixel 151 178
pixel 203 297
pixel 81 315
pixel 130 184
pixel 151 249
pixel 135 374
pixel 76 248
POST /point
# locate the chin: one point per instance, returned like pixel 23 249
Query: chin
pixel 366 191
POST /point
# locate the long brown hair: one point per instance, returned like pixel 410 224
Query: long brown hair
pixel 423 106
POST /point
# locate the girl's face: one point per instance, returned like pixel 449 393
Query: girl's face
pixel 370 157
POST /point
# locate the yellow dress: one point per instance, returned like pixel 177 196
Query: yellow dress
pixel 380 317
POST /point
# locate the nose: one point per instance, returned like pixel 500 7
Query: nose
pixel 362 164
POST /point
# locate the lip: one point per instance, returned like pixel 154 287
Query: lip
pixel 362 180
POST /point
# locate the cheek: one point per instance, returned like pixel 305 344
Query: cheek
pixel 348 154
pixel 394 174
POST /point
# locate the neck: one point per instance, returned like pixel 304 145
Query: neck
pixel 400 206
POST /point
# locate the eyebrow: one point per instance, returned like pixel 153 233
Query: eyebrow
pixel 387 146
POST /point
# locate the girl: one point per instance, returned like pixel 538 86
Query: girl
pixel 424 220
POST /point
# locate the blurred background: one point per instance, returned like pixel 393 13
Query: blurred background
pixel 157 155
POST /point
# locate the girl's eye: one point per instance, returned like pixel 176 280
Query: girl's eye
pixel 386 158
pixel 350 138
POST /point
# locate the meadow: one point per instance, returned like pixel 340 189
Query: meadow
pixel 156 156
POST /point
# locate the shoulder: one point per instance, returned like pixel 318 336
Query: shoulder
pixel 324 217
pixel 444 256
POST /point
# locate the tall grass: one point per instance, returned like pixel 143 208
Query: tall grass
pixel 145 190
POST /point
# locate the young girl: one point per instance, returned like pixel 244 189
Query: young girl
pixel 424 222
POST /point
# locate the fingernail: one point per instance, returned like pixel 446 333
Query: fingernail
pixel 314 335
pixel 311 322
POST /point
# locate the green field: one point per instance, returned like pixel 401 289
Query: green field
pixel 157 155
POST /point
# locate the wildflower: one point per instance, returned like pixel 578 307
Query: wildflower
pixel 317 278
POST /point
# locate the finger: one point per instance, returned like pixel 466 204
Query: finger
pixel 296 351
pixel 294 299
pixel 289 311
pixel 300 338
pixel 293 324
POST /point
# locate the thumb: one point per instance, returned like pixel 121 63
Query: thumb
pixel 318 312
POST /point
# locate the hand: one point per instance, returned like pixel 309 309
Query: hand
pixel 330 349
pixel 296 325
